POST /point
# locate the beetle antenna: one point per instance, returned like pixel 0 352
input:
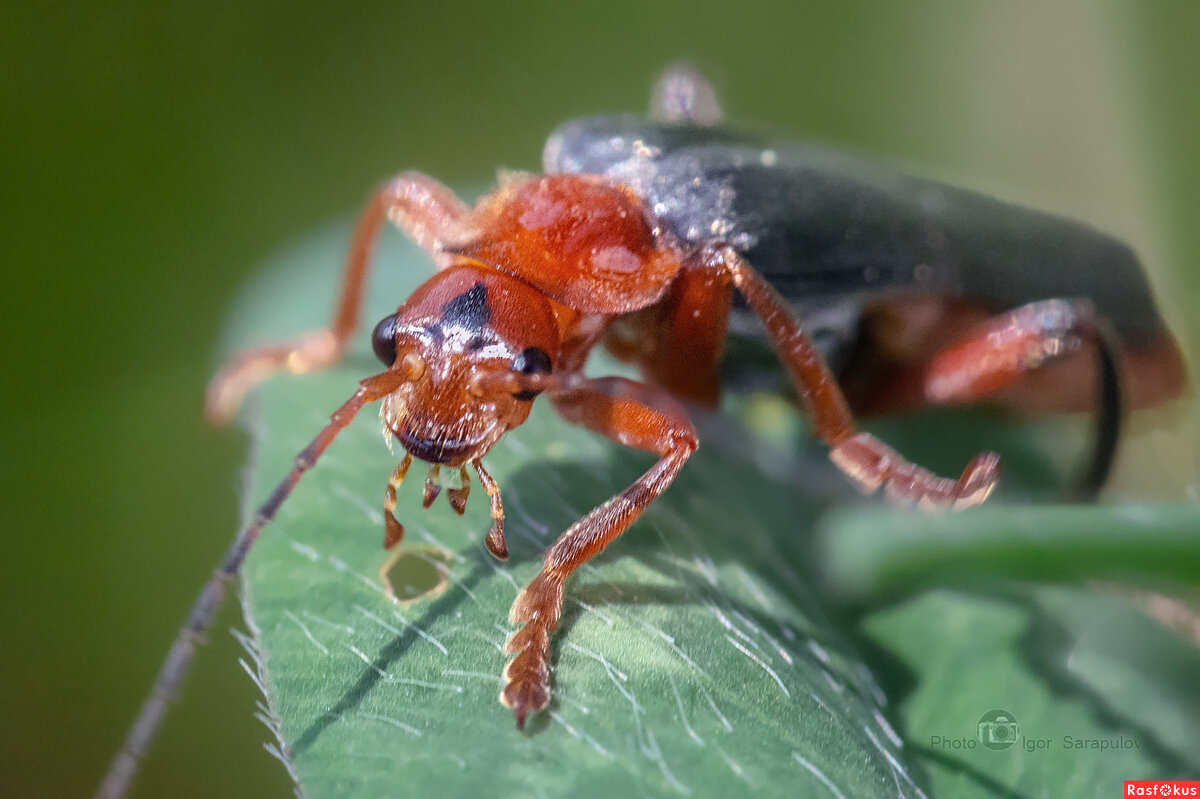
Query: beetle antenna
pixel 124 767
pixel 516 382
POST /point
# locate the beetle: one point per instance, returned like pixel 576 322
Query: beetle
pixel 660 238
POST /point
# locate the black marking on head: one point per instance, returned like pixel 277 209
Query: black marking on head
pixel 476 343
pixel 435 332
pixel 469 310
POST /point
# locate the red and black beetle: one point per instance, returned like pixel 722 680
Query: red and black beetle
pixel 877 292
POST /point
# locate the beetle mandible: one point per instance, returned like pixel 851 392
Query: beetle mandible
pixel 660 238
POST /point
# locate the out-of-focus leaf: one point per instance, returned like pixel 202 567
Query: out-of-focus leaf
pixel 880 551
pixel 972 670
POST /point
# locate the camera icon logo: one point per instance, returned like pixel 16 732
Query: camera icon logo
pixel 998 730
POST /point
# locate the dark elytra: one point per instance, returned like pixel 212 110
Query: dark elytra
pixel 832 231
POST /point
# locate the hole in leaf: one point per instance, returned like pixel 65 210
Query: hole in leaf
pixel 412 573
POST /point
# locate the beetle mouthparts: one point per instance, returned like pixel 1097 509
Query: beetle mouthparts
pixel 456 496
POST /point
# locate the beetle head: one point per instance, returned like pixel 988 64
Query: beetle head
pixel 467 340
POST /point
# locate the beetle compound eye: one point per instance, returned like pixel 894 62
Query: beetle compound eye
pixel 531 361
pixel 383 340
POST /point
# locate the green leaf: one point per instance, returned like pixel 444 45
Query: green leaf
pixel 1088 716
pixel 1078 666
pixel 875 552
pixel 695 656
pixel 692 658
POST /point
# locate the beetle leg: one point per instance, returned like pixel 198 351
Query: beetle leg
pixel 394 530
pixel 1002 350
pixel 998 352
pixel 634 415
pixel 420 206
pixel 867 461
pixel 871 464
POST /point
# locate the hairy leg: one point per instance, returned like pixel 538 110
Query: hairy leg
pixel 1004 349
pixel 421 207
pixel 637 416
pixel 868 462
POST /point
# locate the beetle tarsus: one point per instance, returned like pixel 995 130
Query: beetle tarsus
pixel 871 464
pixel 527 676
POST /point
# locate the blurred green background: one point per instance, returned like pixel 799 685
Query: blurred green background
pixel 151 155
